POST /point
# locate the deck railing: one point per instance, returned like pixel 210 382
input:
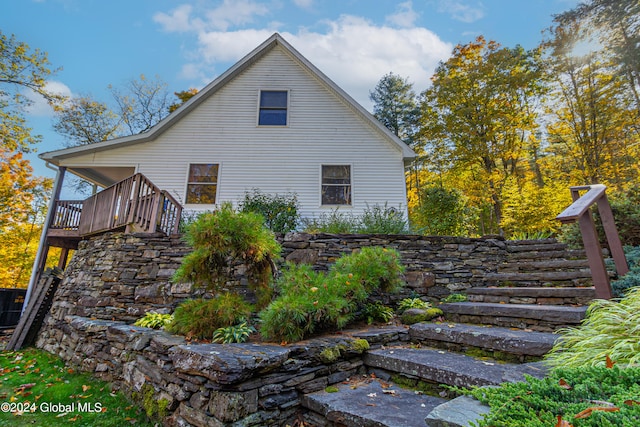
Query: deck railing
pixel 580 210
pixel 134 204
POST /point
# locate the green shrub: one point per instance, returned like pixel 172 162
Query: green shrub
pixel 377 312
pixel 334 222
pixel 565 393
pixel 441 211
pixel 154 320
pixel 280 212
pixel 609 329
pixel 219 236
pixel 200 318
pixel 312 302
pixel 627 282
pixel 233 334
pixel 381 220
pixel 408 303
pixel 377 267
pixel 375 219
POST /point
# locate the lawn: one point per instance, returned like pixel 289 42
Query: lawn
pixel 37 388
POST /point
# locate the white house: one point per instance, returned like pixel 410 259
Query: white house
pixel 272 122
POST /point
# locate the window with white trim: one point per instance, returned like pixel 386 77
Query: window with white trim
pixel 202 184
pixel 273 108
pixel 336 185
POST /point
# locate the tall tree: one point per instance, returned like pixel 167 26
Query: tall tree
pixel 183 96
pixel 396 106
pixel 615 24
pixel 142 104
pixel 85 121
pixel 22 70
pixel 478 116
pixel 592 129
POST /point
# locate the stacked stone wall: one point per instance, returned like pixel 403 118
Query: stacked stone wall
pixel 122 276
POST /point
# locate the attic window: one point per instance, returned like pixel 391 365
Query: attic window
pixel 273 108
pixel 202 184
pixel 336 185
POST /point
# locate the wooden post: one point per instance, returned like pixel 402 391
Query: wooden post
pixel 613 239
pixel 43 248
pixel 594 256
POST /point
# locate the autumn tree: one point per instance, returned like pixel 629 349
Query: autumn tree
pixel 593 127
pixel 615 25
pixel 183 96
pixel 142 104
pixel 83 121
pixel 22 70
pixel 478 118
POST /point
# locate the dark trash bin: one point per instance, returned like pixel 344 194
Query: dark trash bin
pixel 11 301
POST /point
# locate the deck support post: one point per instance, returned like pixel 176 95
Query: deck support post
pixel 43 248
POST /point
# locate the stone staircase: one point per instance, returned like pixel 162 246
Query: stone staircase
pixel 499 334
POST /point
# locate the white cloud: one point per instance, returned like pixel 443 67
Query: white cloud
pixel 176 21
pixel 39 106
pixel 304 4
pixel 461 11
pixel 352 51
pixel 405 16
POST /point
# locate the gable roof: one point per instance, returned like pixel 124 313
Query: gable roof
pixel 275 40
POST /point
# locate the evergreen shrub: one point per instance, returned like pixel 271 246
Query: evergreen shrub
pixel 312 302
pixel 280 212
pixel 200 318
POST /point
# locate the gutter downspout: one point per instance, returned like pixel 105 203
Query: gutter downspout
pixel 43 249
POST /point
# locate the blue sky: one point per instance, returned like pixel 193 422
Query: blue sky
pixel 188 43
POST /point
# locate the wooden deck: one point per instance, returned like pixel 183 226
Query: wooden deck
pixel 132 205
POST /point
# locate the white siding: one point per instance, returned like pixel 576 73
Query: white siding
pixel 223 129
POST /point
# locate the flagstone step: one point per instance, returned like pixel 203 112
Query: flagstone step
pixel 542 318
pixel 368 402
pixel 533 295
pixel 500 343
pixel 544 265
pixel 444 367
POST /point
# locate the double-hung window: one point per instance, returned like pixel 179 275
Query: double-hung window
pixel 273 108
pixel 336 185
pixel 202 184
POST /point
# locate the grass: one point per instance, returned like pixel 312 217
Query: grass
pixel 36 388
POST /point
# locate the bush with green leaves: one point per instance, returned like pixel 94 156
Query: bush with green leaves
pixel 376 312
pixel 200 318
pixel 154 320
pixel 378 219
pixel 377 267
pixel 565 393
pixel 312 302
pixel 408 303
pixel 441 211
pixel 223 235
pixel 375 219
pixel 233 334
pixel 610 329
pixel 280 212
pixel 334 222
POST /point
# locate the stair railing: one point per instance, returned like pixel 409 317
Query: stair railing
pixel 580 210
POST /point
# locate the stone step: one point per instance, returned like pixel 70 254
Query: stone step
pixel 444 367
pixel 535 246
pixel 544 318
pixel 544 265
pixel 549 276
pixel 549 254
pixel 368 402
pixel 462 338
pixel 532 295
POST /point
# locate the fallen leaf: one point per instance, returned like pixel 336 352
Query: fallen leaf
pixel 85 387
pixel 562 423
pixel 587 412
pixel 631 402
pixel 610 363
pixel 562 383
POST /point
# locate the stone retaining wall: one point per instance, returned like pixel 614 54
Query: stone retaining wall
pixel 209 384
pixel 122 276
